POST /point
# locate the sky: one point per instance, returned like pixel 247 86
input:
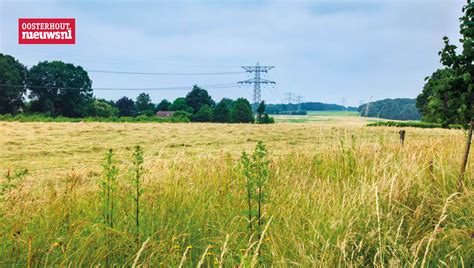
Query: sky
pixel 333 51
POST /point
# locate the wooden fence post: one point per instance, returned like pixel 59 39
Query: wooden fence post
pixel 402 136
pixel 466 156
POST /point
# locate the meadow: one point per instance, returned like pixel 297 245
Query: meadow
pixel 337 193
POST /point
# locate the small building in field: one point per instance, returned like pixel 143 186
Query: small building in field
pixel 164 114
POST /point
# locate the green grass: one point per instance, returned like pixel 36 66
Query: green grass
pixel 333 113
pixel 417 124
pixel 124 119
pixel 323 117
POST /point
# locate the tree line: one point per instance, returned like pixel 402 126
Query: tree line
pixel 302 108
pixel 396 109
pixel 55 88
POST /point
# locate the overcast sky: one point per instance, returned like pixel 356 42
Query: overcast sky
pixel 323 50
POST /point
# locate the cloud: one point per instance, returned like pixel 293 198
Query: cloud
pixel 324 50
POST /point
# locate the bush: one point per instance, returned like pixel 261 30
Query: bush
pixel 181 116
pixel 204 114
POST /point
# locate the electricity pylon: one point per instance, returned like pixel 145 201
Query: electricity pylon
pixel 299 99
pixel 257 80
pixel 289 100
pixel 367 107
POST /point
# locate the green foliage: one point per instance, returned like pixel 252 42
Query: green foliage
pixel 182 116
pixel 242 112
pixel 305 107
pixel 204 114
pixel 10 181
pixel 137 174
pixel 221 113
pixel 437 82
pixel 62 92
pixel 229 102
pixel 58 88
pixel 260 112
pixel 198 97
pixel 451 92
pixel 108 187
pixel 144 105
pixel 397 109
pixel 262 117
pixel 266 119
pixel 113 119
pixel 101 108
pixel 164 105
pixel 12 84
pixel 256 171
pixel 179 104
pixel 126 107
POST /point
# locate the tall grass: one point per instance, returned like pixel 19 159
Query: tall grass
pixel 351 202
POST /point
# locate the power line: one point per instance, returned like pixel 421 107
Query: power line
pixel 257 80
pixel 113 60
pixel 148 73
pixel 212 86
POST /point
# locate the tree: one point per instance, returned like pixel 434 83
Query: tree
pixel 59 88
pixel 262 116
pixel 260 111
pixel 398 109
pixel 229 102
pixel 198 97
pixel 179 104
pixel 144 105
pixel 242 113
pixel 12 84
pixel 164 105
pixel 102 108
pixel 126 107
pixel 435 83
pixel 266 119
pixel 204 114
pixel 453 102
pixel 221 113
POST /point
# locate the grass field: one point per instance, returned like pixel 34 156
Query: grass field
pixel 325 117
pixel 338 194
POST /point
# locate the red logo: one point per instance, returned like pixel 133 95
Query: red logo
pixel 47 31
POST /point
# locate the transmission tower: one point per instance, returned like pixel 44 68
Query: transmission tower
pixel 299 100
pixel 257 80
pixel 289 100
pixel 367 107
pixel 344 104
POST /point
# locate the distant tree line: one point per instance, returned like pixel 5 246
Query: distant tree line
pixel 302 108
pixel 61 89
pixel 200 107
pixel 396 109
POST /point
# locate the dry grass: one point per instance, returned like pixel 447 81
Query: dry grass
pixel 340 195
